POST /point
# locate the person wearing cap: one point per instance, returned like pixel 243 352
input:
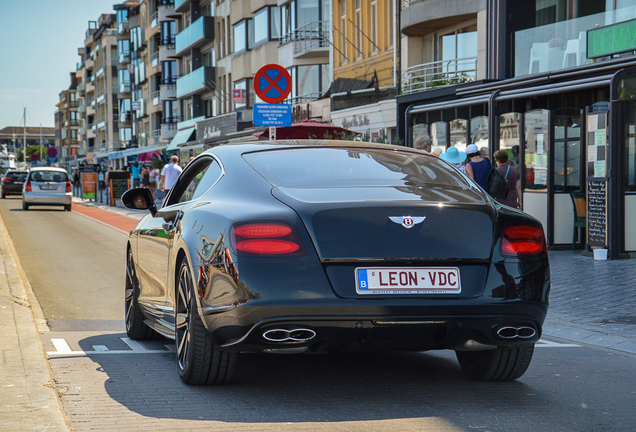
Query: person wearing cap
pixel 455 157
pixel 477 167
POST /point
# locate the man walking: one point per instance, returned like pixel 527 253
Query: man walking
pixel 170 173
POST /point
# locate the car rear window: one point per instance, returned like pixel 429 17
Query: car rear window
pixel 48 176
pixel 338 167
pixel 19 176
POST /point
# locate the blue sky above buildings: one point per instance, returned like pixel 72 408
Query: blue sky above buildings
pixel 38 51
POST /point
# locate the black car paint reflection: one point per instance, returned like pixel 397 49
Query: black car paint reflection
pixel 337 200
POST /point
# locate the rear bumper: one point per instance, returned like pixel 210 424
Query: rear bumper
pixel 34 198
pixel 12 190
pixel 375 328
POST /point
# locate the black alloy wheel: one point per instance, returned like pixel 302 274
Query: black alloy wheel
pixel 135 327
pixel 199 362
pixel 501 364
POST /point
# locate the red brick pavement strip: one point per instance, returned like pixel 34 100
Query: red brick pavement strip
pixel 123 223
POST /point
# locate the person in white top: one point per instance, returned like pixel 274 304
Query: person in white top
pixel 170 173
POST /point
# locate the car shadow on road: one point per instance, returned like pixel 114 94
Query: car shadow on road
pixel 299 388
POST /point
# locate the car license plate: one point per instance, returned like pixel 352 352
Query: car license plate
pixel 19 182
pixel 408 280
pixel 48 187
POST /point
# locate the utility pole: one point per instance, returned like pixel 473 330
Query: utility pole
pixel 40 141
pixel 24 142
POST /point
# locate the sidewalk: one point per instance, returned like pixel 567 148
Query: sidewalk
pixel 591 302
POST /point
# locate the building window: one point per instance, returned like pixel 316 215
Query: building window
pixel 358 29
pixel 240 96
pixel 122 21
pixel 309 82
pixel 168 32
pixel 123 51
pixel 125 111
pixel 209 59
pixel 124 80
pixel 266 25
pixel 343 28
pixel 243 36
pixel 169 72
pixel 125 136
pixel 374 24
pixel 208 10
pixel 169 112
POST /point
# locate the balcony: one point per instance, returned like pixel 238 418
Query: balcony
pixel 166 10
pixel 310 40
pixel 124 89
pixel 168 130
pixel 195 82
pixel 181 5
pixel 439 74
pixel 424 16
pixel 124 57
pixel 564 44
pixel 166 52
pixel 197 34
pixel 167 91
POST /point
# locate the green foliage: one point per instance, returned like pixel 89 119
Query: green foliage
pixel 156 163
pixel 29 151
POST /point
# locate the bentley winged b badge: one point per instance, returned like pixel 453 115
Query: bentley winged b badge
pixel 407 221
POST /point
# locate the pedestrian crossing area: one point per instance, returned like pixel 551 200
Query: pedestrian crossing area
pixel 61 347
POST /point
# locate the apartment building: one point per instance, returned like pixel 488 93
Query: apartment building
pixel 365 61
pixel 198 92
pixel 96 75
pixel 67 123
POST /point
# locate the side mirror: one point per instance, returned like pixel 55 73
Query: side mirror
pixel 139 199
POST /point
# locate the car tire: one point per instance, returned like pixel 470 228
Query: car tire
pixel 199 362
pixel 67 207
pixel 501 364
pixel 134 317
pixel 4 195
pixel 24 206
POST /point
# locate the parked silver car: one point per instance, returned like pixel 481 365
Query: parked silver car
pixel 47 186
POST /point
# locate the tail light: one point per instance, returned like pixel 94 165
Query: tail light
pixel 69 188
pixel 6 180
pixel 268 239
pixel 523 241
pixel 27 186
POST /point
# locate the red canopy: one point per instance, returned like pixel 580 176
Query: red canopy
pixel 308 129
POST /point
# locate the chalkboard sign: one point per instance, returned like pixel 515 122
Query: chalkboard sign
pixel 597 213
pixel 117 187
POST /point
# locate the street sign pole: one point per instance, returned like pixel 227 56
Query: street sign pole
pixel 272 133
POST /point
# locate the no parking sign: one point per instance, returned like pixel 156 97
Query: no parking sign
pixel 272 83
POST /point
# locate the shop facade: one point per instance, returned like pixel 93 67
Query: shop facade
pixel 567 124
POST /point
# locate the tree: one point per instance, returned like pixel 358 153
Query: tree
pixel 29 151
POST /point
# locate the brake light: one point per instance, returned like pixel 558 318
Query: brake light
pixel 27 186
pixel 523 241
pixel 270 239
pixel 69 188
pixel 6 180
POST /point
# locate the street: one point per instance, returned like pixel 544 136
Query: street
pixel 75 266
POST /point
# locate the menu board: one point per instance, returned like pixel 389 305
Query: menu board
pixel 597 213
pixel 597 145
pixel 119 183
pixel 89 185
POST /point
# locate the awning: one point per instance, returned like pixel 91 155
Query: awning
pixel 181 137
pixel 133 151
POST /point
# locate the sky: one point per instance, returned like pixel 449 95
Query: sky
pixel 38 51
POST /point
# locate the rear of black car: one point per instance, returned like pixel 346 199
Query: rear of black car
pixel 388 249
pixel 13 182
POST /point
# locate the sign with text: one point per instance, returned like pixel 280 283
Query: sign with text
pixel 597 213
pixel 272 115
pixel 89 185
pixel 611 39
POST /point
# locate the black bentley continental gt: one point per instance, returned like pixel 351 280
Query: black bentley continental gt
pixel 318 246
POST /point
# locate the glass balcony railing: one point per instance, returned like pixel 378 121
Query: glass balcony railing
pixel 439 74
pixel 180 5
pixel 198 32
pixel 195 81
pixel 561 45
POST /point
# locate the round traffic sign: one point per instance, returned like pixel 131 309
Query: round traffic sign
pixel 51 152
pixel 34 156
pixel 272 83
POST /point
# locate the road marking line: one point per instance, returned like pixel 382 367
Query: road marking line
pixel 61 346
pixel 63 349
pixel 550 344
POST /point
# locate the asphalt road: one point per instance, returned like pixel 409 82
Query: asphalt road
pixel 75 265
pixel 76 268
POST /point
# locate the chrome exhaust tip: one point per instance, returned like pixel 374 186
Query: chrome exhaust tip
pixel 521 332
pixel 287 335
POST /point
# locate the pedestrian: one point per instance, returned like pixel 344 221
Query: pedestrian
pixel 477 167
pixel 455 157
pixel 513 178
pixel 153 176
pixel 145 177
pixel 170 173
pixel 110 169
pixel 135 169
pixel 76 181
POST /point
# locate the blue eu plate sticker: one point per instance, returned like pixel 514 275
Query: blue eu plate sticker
pixel 362 279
